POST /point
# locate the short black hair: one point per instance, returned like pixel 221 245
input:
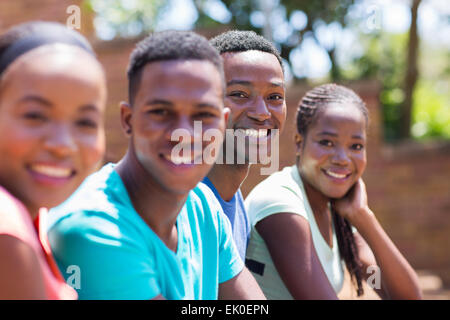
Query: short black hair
pixel 169 45
pixel 240 41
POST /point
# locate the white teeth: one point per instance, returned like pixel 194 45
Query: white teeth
pixel 178 159
pixel 256 133
pixel 250 132
pixel 336 175
pixel 54 172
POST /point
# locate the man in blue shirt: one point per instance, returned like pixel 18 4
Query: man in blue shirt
pixel 255 94
pixel 142 228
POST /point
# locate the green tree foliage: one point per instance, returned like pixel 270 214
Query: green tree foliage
pixel 317 12
pixel 431 111
pixel 120 18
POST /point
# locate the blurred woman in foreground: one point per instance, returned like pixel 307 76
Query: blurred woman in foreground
pixel 52 100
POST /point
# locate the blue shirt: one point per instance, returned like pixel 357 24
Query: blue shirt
pixel 120 257
pixel 236 213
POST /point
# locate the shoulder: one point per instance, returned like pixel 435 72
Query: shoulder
pixel 280 192
pixel 18 250
pixel 10 207
pixel 202 195
pixel 204 209
pixel 98 203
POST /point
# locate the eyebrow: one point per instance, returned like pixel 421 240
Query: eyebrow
pixel 170 104
pixel 159 101
pixel 277 84
pixel 207 105
pixel 241 82
pixel 249 84
pixel 44 102
pixel 38 99
pixel 88 107
pixel 327 133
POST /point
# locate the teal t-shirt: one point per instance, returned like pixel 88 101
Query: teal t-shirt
pixel 120 257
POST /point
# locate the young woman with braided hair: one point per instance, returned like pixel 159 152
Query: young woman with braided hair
pixel 310 218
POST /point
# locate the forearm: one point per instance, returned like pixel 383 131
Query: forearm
pixel 241 287
pixel 398 277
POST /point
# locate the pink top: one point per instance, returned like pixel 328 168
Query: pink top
pixel 16 221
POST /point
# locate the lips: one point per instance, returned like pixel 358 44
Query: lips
pixel 255 132
pixel 178 160
pixel 260 133
pixel 52 171
pixel 337 173
pixel 51 174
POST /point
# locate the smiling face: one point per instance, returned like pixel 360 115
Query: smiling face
pixel 52 101
pixel 332 155
pixel 172 95
pixel 255 94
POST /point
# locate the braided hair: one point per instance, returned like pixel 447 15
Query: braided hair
pixel 320 97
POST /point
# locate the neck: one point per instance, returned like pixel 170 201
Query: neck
pixel 317 200
pixel 158 207
pixel 33 211
pixel 227 178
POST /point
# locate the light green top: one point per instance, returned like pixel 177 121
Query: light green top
pixel 283 191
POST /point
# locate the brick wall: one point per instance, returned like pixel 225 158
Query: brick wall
pixel 408 185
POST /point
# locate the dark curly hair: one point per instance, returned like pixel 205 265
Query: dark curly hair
pixel 169 45
pixel 239 41
pixel 320 97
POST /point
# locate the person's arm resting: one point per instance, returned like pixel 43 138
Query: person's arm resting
pixel 289 241
pixel 241 287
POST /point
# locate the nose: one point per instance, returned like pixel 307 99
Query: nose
pixel 260 112
pixel 340 157
pixel 60 140
pixel 185 129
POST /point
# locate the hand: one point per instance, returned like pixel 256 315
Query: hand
pixel 354 203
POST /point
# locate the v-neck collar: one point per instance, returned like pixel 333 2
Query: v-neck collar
pixel 179 221
pixel 312 218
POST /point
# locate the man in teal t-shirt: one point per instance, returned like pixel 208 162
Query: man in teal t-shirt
pixel 120 257
pixel 142 228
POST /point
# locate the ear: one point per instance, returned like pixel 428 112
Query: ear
pixel 125 118
pixel 298 143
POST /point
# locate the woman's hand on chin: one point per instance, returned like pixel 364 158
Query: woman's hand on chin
pixel 353 206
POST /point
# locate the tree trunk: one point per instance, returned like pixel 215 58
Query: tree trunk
pixel 411 73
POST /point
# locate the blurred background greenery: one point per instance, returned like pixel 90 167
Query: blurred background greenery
pixel 404 44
